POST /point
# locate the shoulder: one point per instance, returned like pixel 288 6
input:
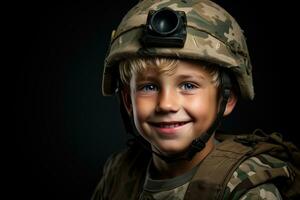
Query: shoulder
pixel 266 191
pixel 128 165
pixel 250 177
pixel 127 159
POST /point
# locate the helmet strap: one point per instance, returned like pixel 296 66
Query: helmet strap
pixel 197 144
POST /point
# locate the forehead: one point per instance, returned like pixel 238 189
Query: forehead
pixel 180 68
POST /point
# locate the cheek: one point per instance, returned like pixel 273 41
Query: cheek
pixel 142 108
pixel 202 109
pixel 197 109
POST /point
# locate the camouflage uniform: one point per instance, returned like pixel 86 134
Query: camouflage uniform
pixel 124 178
pixel 267 191
pixel 250 167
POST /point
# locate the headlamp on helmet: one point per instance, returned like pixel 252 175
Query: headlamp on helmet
pixel 165 28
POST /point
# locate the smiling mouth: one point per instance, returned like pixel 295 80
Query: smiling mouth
pixel 168 124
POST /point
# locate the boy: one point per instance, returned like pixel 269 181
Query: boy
pixel 178 67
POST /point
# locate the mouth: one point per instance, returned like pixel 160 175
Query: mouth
pixel 168 125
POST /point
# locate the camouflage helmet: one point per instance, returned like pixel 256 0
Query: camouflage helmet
pixel 212 35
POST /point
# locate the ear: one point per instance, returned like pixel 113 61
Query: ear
pixel 230 104
pixel 126 99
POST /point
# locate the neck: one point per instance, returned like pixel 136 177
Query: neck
pixel 165 170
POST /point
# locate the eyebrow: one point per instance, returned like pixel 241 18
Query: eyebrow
pixel 185 76
pixel 143 77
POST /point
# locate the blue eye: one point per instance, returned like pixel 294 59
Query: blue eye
pixel 188 86
pixel 149 87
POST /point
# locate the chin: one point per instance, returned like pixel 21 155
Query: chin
pixel 171 149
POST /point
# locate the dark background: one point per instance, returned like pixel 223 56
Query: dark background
pixel 66 129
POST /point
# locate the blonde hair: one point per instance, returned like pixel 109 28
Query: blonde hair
pixel 132 66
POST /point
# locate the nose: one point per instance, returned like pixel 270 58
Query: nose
pixel 168 101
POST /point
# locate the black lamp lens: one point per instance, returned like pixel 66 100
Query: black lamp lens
pixel 164 28
pixel 165 22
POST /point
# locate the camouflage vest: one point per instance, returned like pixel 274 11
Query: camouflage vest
pixel 217 168
pixel 124 174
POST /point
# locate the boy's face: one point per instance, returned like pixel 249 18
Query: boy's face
pixel 170 110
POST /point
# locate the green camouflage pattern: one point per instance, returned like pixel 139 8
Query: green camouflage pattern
pixel 213 35
pixel 263 192
pixel 124 174
pixel 250 168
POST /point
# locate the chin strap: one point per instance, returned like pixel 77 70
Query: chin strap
pixel 199 143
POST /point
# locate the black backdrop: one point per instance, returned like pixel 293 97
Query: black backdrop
pixel 66 129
